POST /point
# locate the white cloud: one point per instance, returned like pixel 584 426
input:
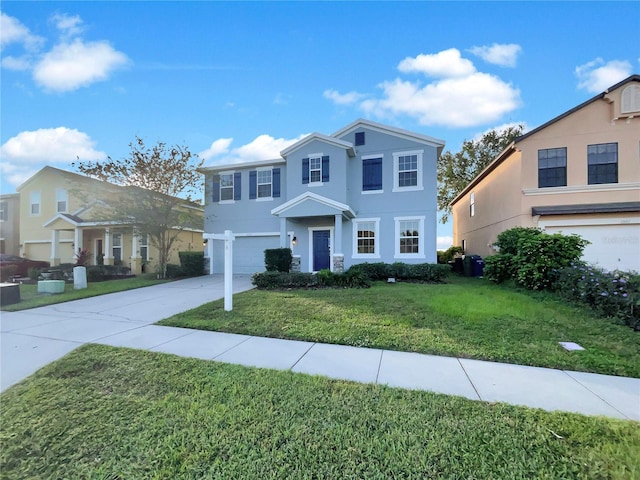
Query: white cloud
pixel 218 147
pixel 444 242
pixel 29 151
pixel 13 31
pixel 263 147
pixel 70 26
pixel 504 55
pixel 17 63
pixel 69 66
pixel 342 98
pixel 448 63
pixel 596 76
pixel 476 99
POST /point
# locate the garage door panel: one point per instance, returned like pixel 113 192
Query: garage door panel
pixel 248 253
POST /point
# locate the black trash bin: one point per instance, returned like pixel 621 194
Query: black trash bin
pixel 477 265
pixel 457 265
pixel 467 265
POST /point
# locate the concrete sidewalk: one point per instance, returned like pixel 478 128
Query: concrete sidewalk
pixel 33 338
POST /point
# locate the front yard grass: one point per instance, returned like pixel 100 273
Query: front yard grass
pixel 30 298
pixel 466 317
pixel 104 412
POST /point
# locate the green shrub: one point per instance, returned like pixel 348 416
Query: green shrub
pixel 429 272
pixel 7 272
pixel 325 277
pixel 374 271
pixel 500 267
pixel 192 263
pixel 611 294
pixel 174 271
pixel 424 272
pixel 96 273
pixel 275 280
pixel 446 256
pixel 508 240
pixel 278 259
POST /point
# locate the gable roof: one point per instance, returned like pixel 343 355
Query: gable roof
pixel 234 166
pixel 512 147
pixel 64 173
pixel 346 210
pixel 336 142
pixel 397 132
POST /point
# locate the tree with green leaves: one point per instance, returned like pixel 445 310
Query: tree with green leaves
pixel 456 170
pixel 153 179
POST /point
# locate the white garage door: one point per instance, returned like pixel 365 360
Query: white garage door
pixel 248 253
pixel 612 246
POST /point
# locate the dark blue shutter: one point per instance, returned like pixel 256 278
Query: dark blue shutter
pixel 359 138
pixel 276 182
pixel 372 174
pixel 305 170
pixel 215 188
pixel 325 168
pixel 237 186
pixel 253 184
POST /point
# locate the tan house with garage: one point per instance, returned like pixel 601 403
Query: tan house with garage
pixel 578 173
pixel 61 211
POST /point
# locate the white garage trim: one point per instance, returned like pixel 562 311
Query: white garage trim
pixel 577 222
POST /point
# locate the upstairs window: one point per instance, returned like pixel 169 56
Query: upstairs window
pixel 62 198
pixel 603 163
pixel 264 183
pixel 34 199
pixel 315 169
pixel 227 187
pixel 552 167
pixel 359 138
pixel 372 174
pixel 4 214
pixel 407 173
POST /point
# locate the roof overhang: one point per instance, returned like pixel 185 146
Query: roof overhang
pixel 234 166
pixel 586 208
pixel 311 204
pixel 336 142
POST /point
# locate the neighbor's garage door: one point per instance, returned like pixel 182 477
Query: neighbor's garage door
pixel 248 253
pixel 612 246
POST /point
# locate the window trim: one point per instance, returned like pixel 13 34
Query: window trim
pixel 35 199
pixel 373 157
pixel 258 197
pixel 421 253
pixel 232 187
pixel 315 156
pixel 62 196
pixel 396 171
pixel 376 238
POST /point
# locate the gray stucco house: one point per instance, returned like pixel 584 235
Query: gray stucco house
pixel 367 193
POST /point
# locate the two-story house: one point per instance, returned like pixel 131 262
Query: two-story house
pixel 61 211
pixel 367 193
pixel 578 173
pixel 10 223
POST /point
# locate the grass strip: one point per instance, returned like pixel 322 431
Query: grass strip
pixel 104 412
pixel 468 318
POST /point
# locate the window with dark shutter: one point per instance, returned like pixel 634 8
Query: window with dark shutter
pixel 371 174
pixel 305 170
pixel 325 168
pixel 253 184
pixel 237 186
pixel 215 188
pixel 276 182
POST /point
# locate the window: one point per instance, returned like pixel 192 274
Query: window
pixel 410 237
pixel 34 198
pixel 407 173
pixel 372 174
pixel 226 187
pixel 144 247
pixel 4 213
pixel 552 167
pixel 264 183
pixel 315 169
pixel 117 248
pixel 603 163
pixel 472 204
pixel 62 198
pixel 366 238
pixel 359 138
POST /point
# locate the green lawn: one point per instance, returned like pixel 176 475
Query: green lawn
pixel 109 413
pixel 30 297
pixel 470 318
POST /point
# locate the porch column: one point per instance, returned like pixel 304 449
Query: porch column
pixel 210 254
pixel 55 248
pixel 136 264
pixel 283 233
pixel 77 240
pixel 337 257
pixel 108 258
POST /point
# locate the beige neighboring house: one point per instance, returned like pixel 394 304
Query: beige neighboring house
pixel 10 223
pixel 578 173
pixel 61 211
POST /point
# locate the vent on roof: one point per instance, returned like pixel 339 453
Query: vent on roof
pixel 359 138
pixel 630 99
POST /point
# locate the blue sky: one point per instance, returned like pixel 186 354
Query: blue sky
pixel 243 80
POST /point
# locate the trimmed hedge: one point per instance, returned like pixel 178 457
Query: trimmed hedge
pixel 278 259
pixel 192 263
pixel 423 272
pixel 99 273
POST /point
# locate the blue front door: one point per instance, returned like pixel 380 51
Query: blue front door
pixel 321 240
